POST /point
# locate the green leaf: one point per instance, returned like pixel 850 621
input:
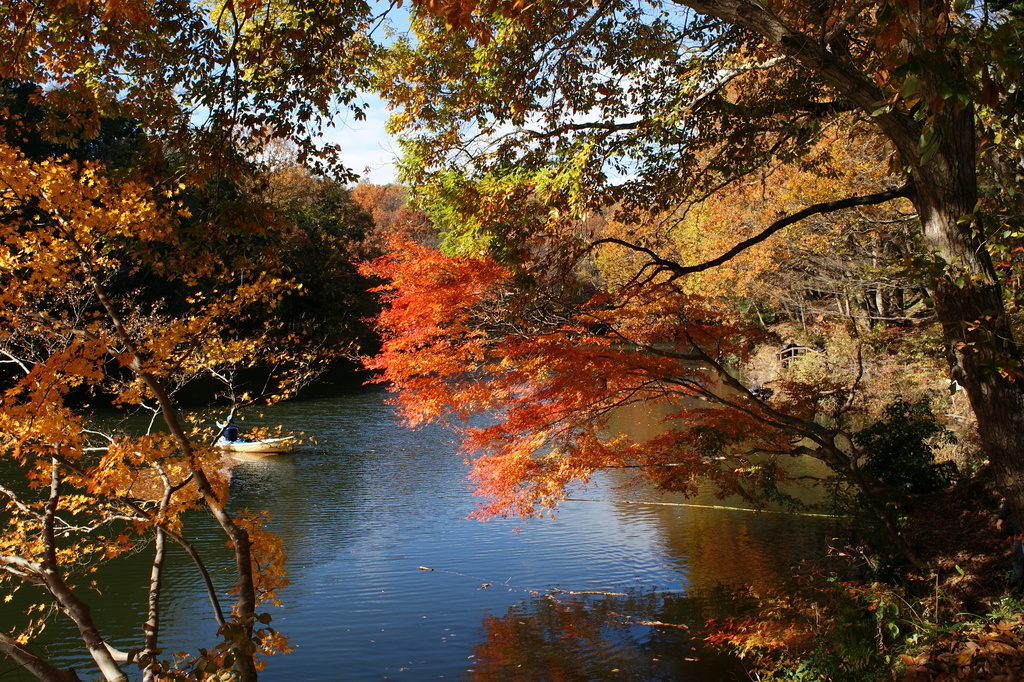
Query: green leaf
pixel 911 87
pixel 929 143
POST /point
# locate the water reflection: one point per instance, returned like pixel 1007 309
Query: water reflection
pixel 364 512
pixel 721 540
pixel 639 635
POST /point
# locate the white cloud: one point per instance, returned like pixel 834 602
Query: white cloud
pixel 364 144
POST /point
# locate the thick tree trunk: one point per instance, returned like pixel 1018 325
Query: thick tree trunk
pixel 983 355
pixel 980 355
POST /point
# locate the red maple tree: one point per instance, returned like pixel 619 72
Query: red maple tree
pixel 531 371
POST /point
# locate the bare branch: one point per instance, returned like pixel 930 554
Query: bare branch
pixel 663 264
pixel 21 564
pixel 18 503
pixel 204 573
pixel 39 667
pixel 16 361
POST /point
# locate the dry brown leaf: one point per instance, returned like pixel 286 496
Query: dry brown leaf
pixel 1001 648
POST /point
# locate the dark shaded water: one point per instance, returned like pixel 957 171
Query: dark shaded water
pixel 364 511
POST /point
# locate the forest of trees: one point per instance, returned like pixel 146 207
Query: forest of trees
pixel 603 204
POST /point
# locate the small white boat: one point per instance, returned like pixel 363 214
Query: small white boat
pixel 263 445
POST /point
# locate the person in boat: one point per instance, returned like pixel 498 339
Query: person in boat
pixel 231 431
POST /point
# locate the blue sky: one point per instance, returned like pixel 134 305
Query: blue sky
pixel 364 144
pixel 365 147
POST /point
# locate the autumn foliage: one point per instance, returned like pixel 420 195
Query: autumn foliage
pixel 654 109
pixel 535 382
pixel 137 255
pixel 79 495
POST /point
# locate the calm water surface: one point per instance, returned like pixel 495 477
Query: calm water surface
pixel 577 597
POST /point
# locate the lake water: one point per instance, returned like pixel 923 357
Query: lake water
pixel 611 588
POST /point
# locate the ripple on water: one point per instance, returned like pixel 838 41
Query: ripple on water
pixel 360 514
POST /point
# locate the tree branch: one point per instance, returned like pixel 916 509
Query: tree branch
pixel 16 361
pixel 814 55
pixel 211 591
pixel 661 264
pixel 245 610
pixel 39 667
pixel 72 606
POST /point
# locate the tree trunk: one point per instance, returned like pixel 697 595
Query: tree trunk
pixel 980 356
pixel 980 346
